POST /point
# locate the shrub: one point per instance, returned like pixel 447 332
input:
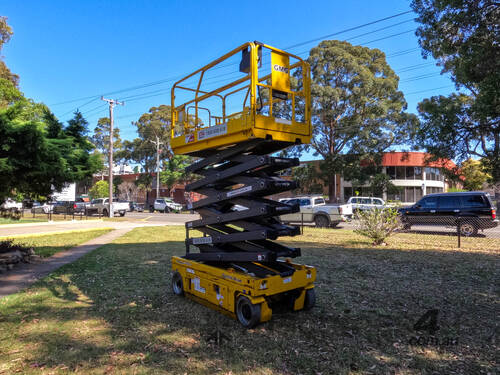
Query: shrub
pixel 377 224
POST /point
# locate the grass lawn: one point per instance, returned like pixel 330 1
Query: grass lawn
pixel 48 244
pixel 112 312
pixel 22 220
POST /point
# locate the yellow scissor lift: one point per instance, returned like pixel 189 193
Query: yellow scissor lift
pixel 232 129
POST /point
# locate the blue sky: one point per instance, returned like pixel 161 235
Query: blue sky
pixel 68 50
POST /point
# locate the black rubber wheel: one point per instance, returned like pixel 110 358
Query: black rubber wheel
pixel 122 214
pixel 406 226
pixel 310 299
pixel 321 221
pixel 166 210
pixel 468 229
pixel 177 284
pixel 105 213
pixel 247 313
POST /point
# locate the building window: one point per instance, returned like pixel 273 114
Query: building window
pixel 418 173
pixel 400 173
pixel 391 172
pixel 418 193
pixel 410 173
pixel 433 190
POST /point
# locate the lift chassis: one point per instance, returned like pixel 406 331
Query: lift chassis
pixel 237 266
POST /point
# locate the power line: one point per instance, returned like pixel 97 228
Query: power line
pixel 158 82
pixel 350 29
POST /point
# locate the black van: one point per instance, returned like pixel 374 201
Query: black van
pixel 471 210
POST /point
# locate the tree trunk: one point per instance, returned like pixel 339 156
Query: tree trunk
pixel 332 189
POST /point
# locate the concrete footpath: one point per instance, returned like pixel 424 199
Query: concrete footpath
pixel 12 230
pixel 26 274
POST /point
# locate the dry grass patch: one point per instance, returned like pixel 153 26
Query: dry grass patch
pixel 113 312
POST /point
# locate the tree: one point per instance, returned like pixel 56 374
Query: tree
pixel 307 178
pixel 5 35
pixel 357 110
pixel 100 139
pixel 463 37
pixel 99 190
pixel 81 160
pixel 175 170
pixel 380 183
pixel 156 123
pixel 128 190
pixel 9 94
pixel 474 175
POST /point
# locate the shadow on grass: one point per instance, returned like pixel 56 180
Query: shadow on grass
pixel 113 311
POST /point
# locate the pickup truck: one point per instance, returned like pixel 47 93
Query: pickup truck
pixel 315 210
pixel 101 206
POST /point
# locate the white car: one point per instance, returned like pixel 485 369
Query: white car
pixel 166 205
pixel 11 204
pixel 365 203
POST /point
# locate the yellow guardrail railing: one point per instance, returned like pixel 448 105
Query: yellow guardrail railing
pixel 280 86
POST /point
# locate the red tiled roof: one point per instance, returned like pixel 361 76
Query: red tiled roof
pixel 415 159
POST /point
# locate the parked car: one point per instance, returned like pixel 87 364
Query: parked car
pixel 11 204
pixel 101 206
pixel 81 205
pixel 139 207
pixel 64 207
pixel 471 210
pixel 315 210
pixel 166 205
pixel 365 203
pixel 38 208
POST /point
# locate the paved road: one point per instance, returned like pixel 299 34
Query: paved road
pixel 156 217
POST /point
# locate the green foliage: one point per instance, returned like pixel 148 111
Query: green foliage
pixel 5 35
pixel 156 123
pixel 377 224
pixel 175 170
pixel 9 94
pixel 307 178
pixel 35 156
pixel 382 182
pixel 474 175
pixel 100 139
pixel 99 190
pixel 357 110
pixel 455 190
pixel 463 37
pixel 140 151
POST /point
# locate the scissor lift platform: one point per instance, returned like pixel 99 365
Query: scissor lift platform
pixel 237 268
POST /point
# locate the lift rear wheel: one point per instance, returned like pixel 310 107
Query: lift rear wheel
pixel 177 284
pixel 247 313
pixel 310 300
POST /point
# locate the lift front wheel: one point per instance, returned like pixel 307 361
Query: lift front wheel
pixel 248 314
pixel 310 300
pixel 177 284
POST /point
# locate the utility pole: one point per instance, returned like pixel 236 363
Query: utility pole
pixel 157 143
pixel 112 103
